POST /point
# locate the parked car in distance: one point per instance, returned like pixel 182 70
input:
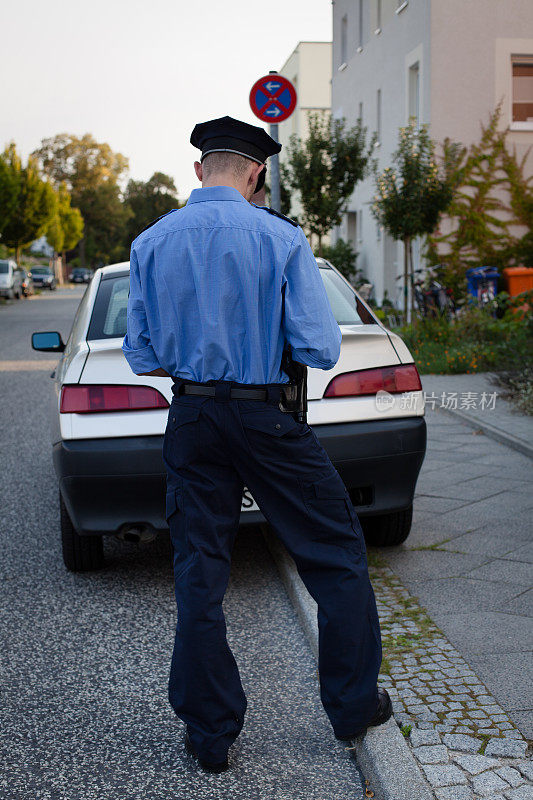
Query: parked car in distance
pixel 27 283
pixel 81 275
pixel 108 424
pixel 10 279
pixel 43 278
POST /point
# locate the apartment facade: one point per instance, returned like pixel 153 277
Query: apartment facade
pixel 445 62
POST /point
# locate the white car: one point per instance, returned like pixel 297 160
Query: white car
pixel 108 424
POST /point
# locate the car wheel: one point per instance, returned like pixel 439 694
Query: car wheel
pixel 80 553
pixel 388 530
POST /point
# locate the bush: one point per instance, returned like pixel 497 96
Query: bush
pixel 472 342
pixel 343 256
pixel 519 386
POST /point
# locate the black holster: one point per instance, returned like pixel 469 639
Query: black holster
pixel 294 394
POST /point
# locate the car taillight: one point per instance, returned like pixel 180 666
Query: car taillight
pixel 394 380
pixel 91 399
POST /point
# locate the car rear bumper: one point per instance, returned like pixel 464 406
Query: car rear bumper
pixel 111 483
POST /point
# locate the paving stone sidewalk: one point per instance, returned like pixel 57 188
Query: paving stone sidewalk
pixel 463 740
pixel 478 399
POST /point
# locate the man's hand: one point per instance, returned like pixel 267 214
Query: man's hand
pixel 157 373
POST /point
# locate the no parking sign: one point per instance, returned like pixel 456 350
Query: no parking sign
pixel 273 98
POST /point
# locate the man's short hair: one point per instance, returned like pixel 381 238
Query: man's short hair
pixel 225 162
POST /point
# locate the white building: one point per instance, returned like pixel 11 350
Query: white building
pixel 309 70
pixel 447 63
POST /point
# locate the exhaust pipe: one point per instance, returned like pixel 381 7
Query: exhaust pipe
pixel 135 534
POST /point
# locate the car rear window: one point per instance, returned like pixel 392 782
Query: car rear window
pixel 108 320
pixel 346 306
pixel 4 267
pixel 110 308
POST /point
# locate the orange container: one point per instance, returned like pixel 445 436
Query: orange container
pixel 518 279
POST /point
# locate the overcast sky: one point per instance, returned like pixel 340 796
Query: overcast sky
pixel 140 74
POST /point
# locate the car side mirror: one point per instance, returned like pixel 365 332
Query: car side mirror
pixel 47 342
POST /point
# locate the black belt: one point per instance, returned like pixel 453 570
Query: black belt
pixel 236 394
pixel 276 392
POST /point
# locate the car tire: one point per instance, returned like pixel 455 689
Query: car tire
pixel 388 530
pixel 80 553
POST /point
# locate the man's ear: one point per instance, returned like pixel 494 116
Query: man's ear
pixel 256 173
pixel 198 168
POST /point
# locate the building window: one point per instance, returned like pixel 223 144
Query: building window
pixel 360 26
pixel 351 228
pixel 414 92
pixel 522 91
pixel 378 116
pixel 344 40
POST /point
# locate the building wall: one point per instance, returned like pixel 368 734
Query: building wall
pixel 378 58
pixel 469 80
pixel 463 50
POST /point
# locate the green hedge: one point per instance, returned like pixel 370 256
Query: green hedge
pixel 472 342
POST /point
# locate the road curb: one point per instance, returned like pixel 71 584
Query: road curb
pixel 383 754
pixel 491 431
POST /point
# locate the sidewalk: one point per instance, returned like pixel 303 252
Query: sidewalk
pixel 458 743
pixel 478 401
pixel 455 609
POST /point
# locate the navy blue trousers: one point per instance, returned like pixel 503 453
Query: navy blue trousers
pixel 212 448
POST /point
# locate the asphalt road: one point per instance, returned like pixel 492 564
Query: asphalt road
pixel 84 660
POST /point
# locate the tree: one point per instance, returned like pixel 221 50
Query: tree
pixel 35 206
pixel 410 199
pixel 66 227
pixel 92 173
pixel 492 197
pixel 521 202
pixel 147 201
pixel 105 217
pixel 343 256
pixel 9 187
pixel 324 170
pixel 80 162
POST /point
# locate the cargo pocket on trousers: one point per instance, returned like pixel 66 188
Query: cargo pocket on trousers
pixel 171 505
pixel 327 501
pixel 178 529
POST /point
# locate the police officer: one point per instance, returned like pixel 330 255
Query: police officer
pixel 217 290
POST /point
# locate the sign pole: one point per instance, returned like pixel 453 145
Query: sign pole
pixel 275 197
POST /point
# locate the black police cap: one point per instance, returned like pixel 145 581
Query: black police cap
pixel 233 136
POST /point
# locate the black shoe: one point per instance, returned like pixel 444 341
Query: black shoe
pixel 207 766
pixel 383 713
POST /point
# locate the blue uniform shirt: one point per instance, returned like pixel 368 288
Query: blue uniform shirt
pixel 217 287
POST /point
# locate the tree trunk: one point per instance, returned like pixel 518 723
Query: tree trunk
pixel 319 245
pixel 64 265
pixel 82 252
pixel 406 249
pixel 411 268
pixel 18 253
